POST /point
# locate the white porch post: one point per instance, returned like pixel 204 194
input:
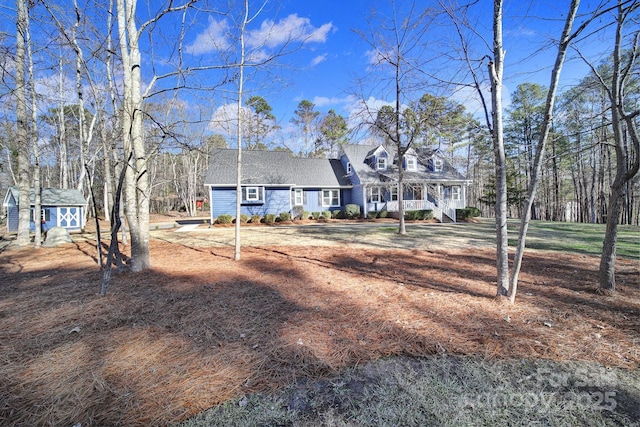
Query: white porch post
pixel 463 189
pixel 364 201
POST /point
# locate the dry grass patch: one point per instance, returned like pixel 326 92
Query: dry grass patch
pixel 200 329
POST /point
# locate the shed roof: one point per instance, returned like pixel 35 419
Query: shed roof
pixel 261 167
pixel 50 197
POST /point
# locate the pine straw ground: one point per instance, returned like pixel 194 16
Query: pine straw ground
pixel 199 328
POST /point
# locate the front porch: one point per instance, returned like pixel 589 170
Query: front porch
pixel 441 200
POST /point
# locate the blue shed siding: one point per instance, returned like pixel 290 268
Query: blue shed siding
pixel 12 218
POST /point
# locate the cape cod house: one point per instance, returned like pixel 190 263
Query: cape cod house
pixel 366 175
pixel 59 208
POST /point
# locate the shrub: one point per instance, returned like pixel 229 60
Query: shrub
pixel 285 216
pixel 244 218
pixel 269 218
pixel 417 215
pixel 336 214
pixel 224 219
pixel 412 215
pixel 352 211
pixel 383 214
pixel 297 213
pixel 315 215
pixel 372 215
pixel 255 219
pixel 305 215
pixel 326 214
pixel 468 212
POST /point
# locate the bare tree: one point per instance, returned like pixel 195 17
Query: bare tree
pixel 398 50
pixel 623 115
pixel 22 126
pixel 565 39
pixel 37 205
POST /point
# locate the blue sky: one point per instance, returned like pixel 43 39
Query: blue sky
pixel 324 70
pixel 330 56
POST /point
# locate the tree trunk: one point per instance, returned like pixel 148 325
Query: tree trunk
pixel 239 131
pixel 626 167
pixel 24 212
pixel 540 148
pixel 136 180
pixel 37 205
pixel 496 71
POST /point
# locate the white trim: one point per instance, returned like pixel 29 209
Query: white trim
pixel 324 205
pixel 379 196
pixel 414 163
pixel 252 198
pixel 298 192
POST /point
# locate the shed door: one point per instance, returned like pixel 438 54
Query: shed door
pixel 69 218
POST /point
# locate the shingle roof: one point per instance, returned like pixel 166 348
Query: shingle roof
pixel 274 168
pixel 53 196
pixel 358 153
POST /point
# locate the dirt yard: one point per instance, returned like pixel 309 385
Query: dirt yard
pixel 200 328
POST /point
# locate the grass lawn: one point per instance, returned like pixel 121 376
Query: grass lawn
pixel 577 238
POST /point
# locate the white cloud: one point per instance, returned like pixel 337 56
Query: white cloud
pixel 290 29
pixel 318 60
pixel 270 34
pixel 214 37
pixel 323 101
pixel 224 119
pixel 469 97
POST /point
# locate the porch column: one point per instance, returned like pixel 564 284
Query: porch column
pixel 364 201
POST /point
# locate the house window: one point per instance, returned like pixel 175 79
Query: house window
pixel 394 193
pixel 411 163
pixel 437 165
pixel 298 197
pixel 382 163
pixel 330 198
pixel 456 192
pixel 375 194
pixel 252 194
pixel 348 168
pixel 45 215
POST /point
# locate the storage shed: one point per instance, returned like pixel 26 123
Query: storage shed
pixel 59 208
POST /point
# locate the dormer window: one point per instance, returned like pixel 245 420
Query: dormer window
pixel 437 165
pixel 411 163
pixel 382 163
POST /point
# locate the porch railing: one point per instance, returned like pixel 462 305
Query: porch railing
pixel 442 207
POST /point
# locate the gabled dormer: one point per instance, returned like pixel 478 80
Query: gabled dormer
pixel 410 160
pixel 436 162
pixel 378 159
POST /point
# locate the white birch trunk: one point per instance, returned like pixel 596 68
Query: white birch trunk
pixel 136 189
pixel 496 71
pixel 24 212
pixel 239 132
pixel 540 148
pixel 37 205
